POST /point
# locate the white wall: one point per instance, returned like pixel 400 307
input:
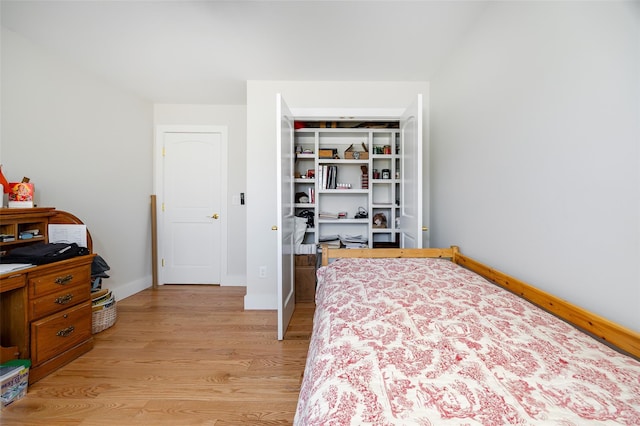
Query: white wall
pixel 86 146
pixel 234 117
pixel 535 150
pixel 261 159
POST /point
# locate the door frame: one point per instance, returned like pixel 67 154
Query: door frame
pixel 284 314
pixel 158 188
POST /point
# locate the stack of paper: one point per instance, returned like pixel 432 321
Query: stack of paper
pixel 354 241
pixel 332 241
pixel 10 267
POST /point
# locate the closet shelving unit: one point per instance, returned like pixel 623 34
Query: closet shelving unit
pixel 368 180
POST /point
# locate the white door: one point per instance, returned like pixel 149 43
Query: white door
pixel 285 215
pixel 192 180
pixel 411 173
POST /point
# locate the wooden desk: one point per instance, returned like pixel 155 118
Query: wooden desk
pixel 45 311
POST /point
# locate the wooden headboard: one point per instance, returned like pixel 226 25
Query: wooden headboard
pixel 382 253
pixel 599 327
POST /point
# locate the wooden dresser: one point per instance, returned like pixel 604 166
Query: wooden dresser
pixel 45 311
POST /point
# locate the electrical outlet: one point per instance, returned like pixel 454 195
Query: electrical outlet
pixel 262 272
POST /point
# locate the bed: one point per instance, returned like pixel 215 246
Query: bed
pixel 433 337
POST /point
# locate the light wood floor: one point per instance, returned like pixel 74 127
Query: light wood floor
pixel 179 355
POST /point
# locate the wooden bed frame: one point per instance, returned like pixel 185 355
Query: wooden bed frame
pixel 614 334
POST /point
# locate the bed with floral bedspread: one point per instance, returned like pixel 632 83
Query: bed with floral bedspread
pixel 427 342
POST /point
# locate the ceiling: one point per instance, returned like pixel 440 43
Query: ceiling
pixel 186 51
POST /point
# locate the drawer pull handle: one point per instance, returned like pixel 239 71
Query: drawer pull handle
pixel 63 300
pixel 65 331
pixel 64 280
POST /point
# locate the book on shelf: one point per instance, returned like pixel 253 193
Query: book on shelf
pixel 333 177
pixel 327 176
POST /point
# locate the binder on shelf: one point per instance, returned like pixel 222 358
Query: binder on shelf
pixel 327 176
pixel 332 178
pixel 322 176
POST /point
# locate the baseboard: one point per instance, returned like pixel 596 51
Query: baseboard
pixel 262 301
pixel 234 280
pixel 123 291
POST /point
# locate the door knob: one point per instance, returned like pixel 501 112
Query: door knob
pixel 215 216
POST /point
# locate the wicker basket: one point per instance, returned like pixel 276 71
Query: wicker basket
pixel 104 318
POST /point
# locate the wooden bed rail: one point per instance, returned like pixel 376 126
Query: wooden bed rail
pixel 616 335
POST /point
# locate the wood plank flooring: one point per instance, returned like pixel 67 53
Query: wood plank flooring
pixel 178 355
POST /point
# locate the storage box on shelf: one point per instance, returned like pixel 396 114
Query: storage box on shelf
pixel 352 153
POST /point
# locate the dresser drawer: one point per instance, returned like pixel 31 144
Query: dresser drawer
pixel 58 301
pixel 56 333
pixel 52 280
pixel 12 282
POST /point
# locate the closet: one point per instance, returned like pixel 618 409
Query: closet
pixel 314 151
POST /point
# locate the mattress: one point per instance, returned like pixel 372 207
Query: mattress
pixel 427 342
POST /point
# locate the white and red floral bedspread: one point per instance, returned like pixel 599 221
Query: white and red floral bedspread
pixel 426 342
